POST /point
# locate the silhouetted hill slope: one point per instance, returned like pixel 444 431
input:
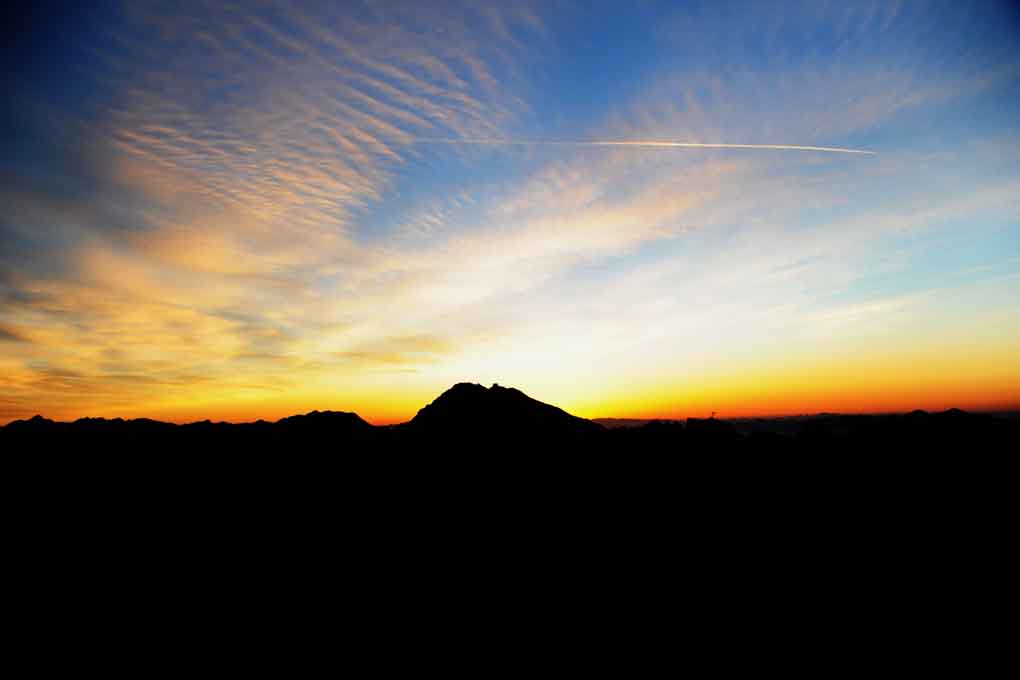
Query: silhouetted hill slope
pixel 482 459
pixel 325 422
pixel 143 434
pixel 468 410
pixel 471 417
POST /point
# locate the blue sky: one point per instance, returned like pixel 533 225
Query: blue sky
pixel 251 208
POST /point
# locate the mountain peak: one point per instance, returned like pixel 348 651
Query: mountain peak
pixel 342 419
pixel 497 410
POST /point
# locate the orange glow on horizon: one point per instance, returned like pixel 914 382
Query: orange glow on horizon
pixel 727 399
pixel 250 211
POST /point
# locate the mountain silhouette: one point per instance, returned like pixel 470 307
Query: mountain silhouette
pixel 475 418
pixel 469 410
pixel 326 422
pixel 484 458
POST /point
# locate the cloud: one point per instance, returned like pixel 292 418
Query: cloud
pixel 201 205
pixel 401 350
pixel 645 144
pixel 294 197
pixel 8 334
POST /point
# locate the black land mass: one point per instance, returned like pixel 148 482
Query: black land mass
pixel 488 476
pixel 472 417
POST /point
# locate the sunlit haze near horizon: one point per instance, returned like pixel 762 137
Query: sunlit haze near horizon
pixel 631 209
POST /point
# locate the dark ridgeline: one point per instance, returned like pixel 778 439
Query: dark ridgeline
pixel 488 476
pixel 474 418
pixel 470 413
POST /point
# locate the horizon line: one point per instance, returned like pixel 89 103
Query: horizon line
pixel 716 416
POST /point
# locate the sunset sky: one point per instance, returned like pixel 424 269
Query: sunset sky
pixel 253 209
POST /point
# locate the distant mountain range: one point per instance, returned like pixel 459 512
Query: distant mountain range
pixel 471 416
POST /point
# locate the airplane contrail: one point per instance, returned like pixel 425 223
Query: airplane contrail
pixel 641 144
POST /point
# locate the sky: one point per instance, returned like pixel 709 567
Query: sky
pixel 635 209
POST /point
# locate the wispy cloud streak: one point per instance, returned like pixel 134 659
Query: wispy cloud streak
pixel 285 205
pixel 646 144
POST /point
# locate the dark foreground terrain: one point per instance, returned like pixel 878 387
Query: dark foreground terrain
pixel 472 418
pixel 490 460
pixel 500 498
